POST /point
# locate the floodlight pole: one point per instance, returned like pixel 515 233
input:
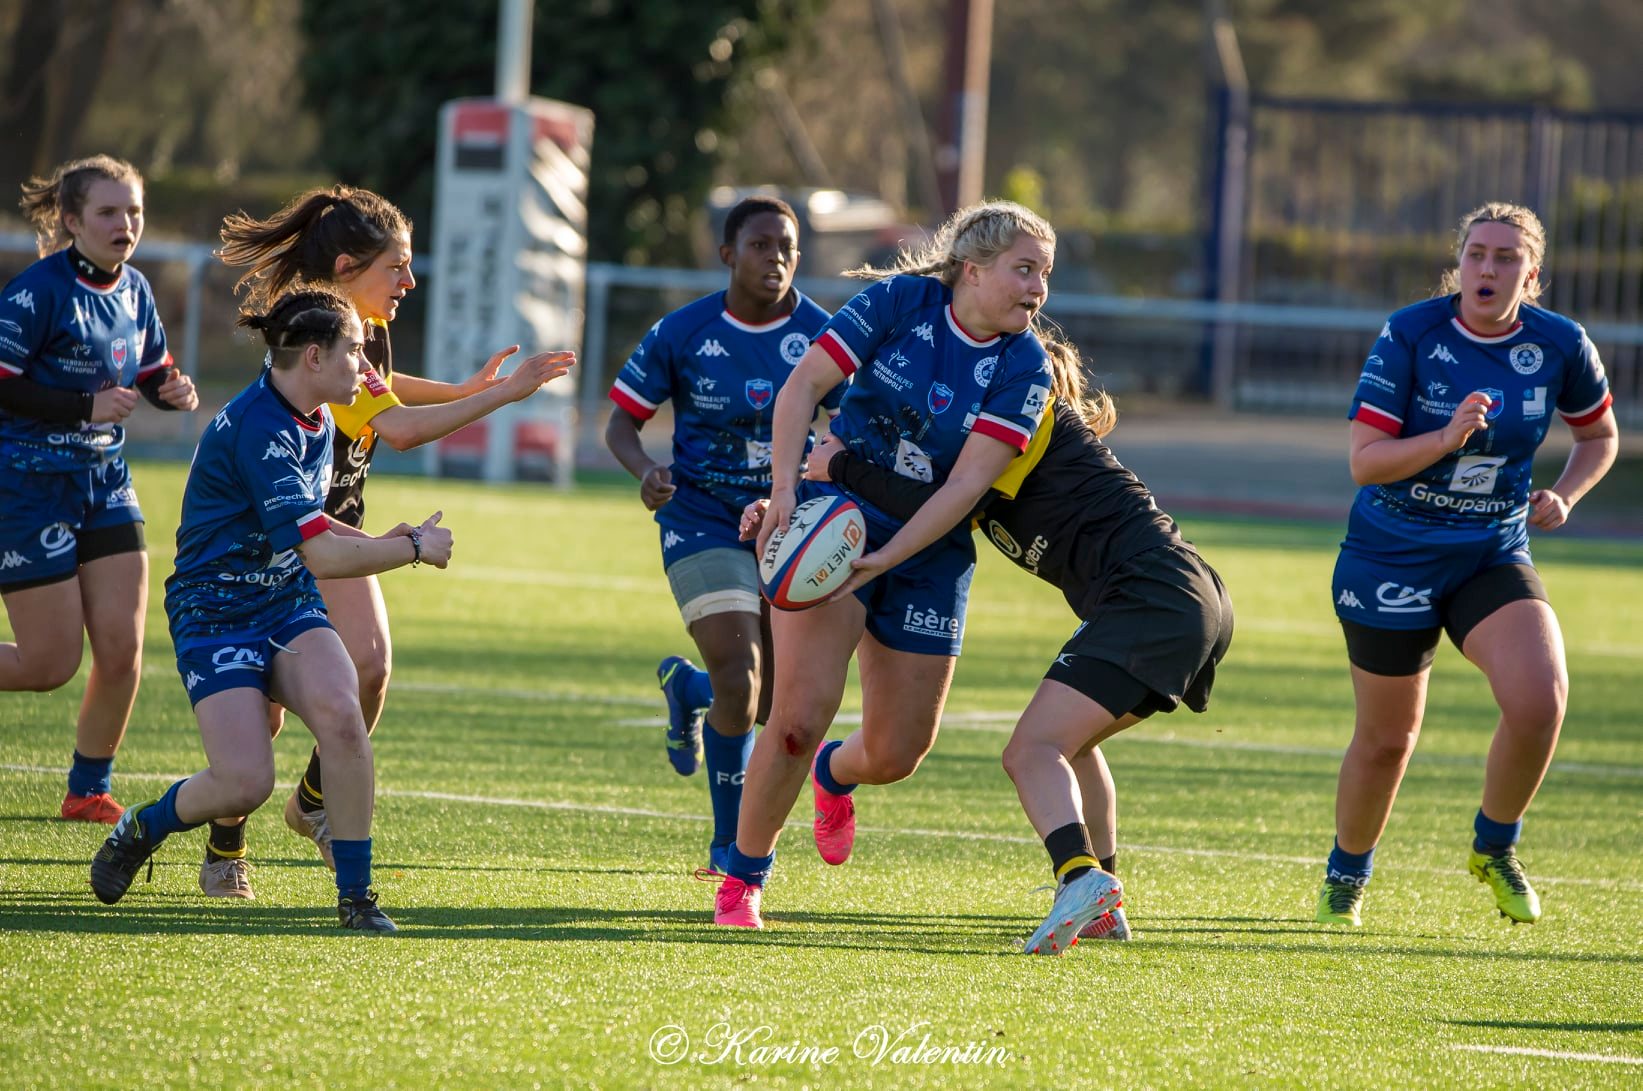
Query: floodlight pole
pixel 513 51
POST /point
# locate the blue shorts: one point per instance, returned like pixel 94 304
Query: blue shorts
pixel 43 514
pixel 242 660
pixel 693 521
pixel 1397 577
pixel 918 606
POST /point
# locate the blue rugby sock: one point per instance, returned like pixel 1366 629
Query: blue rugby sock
pixel 698 687
pixel 726 762
pixel 752 870
pixel 1494 838
pixel 159 819
pixel 824 771
pixel 1351 867
pixel 353 867
pixel 88 776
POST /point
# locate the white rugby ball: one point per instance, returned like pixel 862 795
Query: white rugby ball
pixel 810 560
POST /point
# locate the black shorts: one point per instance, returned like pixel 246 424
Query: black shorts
pixel 1152 636
pixel 1397 653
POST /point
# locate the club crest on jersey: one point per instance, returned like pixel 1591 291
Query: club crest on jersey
pixel 759 392
pixel 984 370
pixel 117 351
pixel 129 298
pixel 794 346
pixel 1526 359
pixel 1497 401
pixel 941 396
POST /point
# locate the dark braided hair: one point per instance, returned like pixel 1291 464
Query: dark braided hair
pixel 310 316
pixel 302 241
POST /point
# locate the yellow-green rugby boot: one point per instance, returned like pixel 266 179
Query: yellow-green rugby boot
pixel 1515 898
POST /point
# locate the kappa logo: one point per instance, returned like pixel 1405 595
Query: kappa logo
pixel 1526 359
pixel 1386 333
pixel 794 346
pixel 1396 598
pixel 192 680
pixel 711 347
pixel 275 451
pixel 1350 598
pixel 984 370
pixel 1441 352
pixel 13 559
pixel 671 539
pixel 24 299
pixel 925 332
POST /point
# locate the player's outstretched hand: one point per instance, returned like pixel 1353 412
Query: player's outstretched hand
pixel 1471 415
pixel 113 405
pixel 436 541
pixel 178 391
pixel 826 447
pixel 486 376
pixel 778 510
pixel 656 487
pixel 1547 509
pixel 752 520
pixel 535 370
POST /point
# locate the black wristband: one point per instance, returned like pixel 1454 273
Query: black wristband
pixel 416 546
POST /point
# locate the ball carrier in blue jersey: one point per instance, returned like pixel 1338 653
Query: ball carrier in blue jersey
pixel 246 616
pixel 948 383
pixel 721 362
pixel 79 339
pixel 1457 394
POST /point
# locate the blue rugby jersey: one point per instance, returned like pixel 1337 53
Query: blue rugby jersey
pixel 1423 365
pixel 722 375
pixel 920 384
pixel 62 331
pixel 256 490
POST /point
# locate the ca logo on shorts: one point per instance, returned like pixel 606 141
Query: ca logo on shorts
pixel 1397 598
pixel 237 659
pixel 57 539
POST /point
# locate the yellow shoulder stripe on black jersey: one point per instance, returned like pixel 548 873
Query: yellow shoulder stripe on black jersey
pixel 1009 482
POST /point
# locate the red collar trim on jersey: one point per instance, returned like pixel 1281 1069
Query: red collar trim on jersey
pixel 969 338
pixel 1484 338
pixel 774 323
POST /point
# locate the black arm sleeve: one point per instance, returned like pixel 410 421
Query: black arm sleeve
pixel 150 388
pixel 895 495
pixel 26 398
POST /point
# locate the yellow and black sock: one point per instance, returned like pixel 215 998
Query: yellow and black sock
pixel 1070 852
pixel 310 797
pixel 227 842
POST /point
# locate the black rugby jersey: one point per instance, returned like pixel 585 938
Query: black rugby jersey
pixel 356 440
pixel 1076 515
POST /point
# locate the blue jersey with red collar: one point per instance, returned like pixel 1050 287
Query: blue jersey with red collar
pixel 256 490
pixel 722 376
pixel 1422 366
pixel 62 331
pixel 920 384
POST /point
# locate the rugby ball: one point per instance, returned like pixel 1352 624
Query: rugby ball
pixel 810 560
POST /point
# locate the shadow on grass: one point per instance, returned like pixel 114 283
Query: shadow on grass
pixel 159 914
pixel 1513 1024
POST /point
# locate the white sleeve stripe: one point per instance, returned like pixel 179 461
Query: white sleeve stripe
pixel 13 368
pixel 635 395
pixel 1002 423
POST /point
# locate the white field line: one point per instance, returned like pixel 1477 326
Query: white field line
pixel 1553 1054
pixel 902 831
